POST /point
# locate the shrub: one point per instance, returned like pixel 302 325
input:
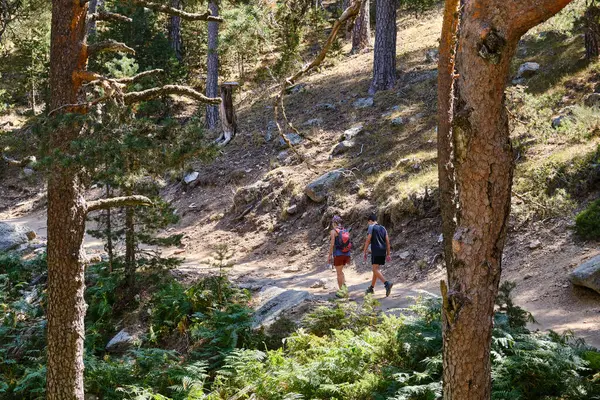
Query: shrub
pixel 587 222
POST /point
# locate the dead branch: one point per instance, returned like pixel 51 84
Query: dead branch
pixel 19 163
pixel 126 201
pixel 206 16
pixel 526 200
pixel 136 97
pixel 109 45
pixel 108 16
pixel 139 76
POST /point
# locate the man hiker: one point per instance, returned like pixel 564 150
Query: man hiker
pixel 379 240
pixel 339 247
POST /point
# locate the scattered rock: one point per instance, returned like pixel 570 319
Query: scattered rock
pixel 321 283
pixel 558 121
pixel 592 100
pixel 432 55
pixel 249 194
pixel 528 69
pixel 399 121
pixel 325 106
pixel 363 102
pixel 191 177
pixel 291 269
pixel 318 190
pixel 293 137
pixel 299 87
pixel 342 147
pixel 271 128
pixel 292 210
pixel 352 132
pixel 12 236
pixel 121 342
pixel 405 255
pixel 587 274
pixel 273 301
pixel 28 171
pixel 283 155
pixel 314 121
pixel 526 277
pixel 536 244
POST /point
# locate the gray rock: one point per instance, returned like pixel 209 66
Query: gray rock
pixel 535 244
pixel 273 301
pixel 352 132
pixel 342 147
pixel 12 236
pixel 518 81
pixel 318 190
pixel 432 55
pixel 587 274
pixel 592 100
pixel 314 121
pixel 399 121
pixel 250 194
pixel 558 121
pixel 283 155
pixel 28 171
pixel 405 255
pixel 293 137
pixel 292 210
pixel 321 283
pixel 528 69
pixel 297 88
pixel 363 102
pixel 271 129
pixel 191 177
pixel 121 342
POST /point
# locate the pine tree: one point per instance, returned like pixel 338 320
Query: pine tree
pixel 384 60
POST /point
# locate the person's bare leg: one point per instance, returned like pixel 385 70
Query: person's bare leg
pixel 340 275
pixel 376 275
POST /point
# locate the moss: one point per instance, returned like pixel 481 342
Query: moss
pixel 587 222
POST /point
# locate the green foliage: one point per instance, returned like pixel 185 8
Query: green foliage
pixel 513 315
pixel 343 315
pixel 418 6
pixel 587 222
pixel 291 16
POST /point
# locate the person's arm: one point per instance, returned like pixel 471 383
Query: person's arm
pixel 389 246
pixel 331 245
pixel 367 243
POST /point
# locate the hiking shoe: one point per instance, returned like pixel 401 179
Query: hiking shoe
pixel 388 288
pixel 342 293
pixel 370 290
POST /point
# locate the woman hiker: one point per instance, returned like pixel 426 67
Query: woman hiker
pixel 339 248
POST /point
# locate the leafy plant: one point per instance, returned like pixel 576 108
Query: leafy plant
pixel 587 222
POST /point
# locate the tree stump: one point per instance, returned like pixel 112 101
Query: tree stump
pixel 227 111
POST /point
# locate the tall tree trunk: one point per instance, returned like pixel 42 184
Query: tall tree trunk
pixel 212 78
pixel 95 5
pixel 175 31
pixel 384 60
pixel 109 239
pixel 130 247
pixel 361 33
pixel 66 212
pixel 592 32
pixel 348 25
pixel 475 164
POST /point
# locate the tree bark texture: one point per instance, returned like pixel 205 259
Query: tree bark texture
pixel 66 211
pixel 130 247
pixel 592 32
pixel 361 33
pixel 475 164
pixel 175 31
pixel 384 60
pixel 349 24
pixel 212 78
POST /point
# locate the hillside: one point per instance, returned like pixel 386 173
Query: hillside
pixel 252 196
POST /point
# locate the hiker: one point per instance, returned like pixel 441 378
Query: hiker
pixel 378 239
pixel 339 248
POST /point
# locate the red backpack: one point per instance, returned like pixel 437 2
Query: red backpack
pixel 342 241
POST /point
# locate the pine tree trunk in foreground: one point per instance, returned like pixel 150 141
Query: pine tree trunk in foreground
pixel 592 32
pixel 175 31
pixel 212 79
pixel 66 213
pixel 384 60
pixel 361 33
pixel 475 165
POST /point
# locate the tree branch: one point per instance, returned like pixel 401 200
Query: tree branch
pixel 136 97
pixel 108 16
pixel 126 201
pixel 207 16
pixel 109 45
pixel 139 76
pixel 531 13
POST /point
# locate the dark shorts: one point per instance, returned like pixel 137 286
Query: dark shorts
pixel 339 261
pixel 377 260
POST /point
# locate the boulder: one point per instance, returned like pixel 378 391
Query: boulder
pixel 528 69
pixel 342 147
pixel 587 274
pixel 363 102
pixel 121 342
pixel 249 194
pixel 12 236
pixel 592 100
pixel 293 137
pixel 318 190
pixel 273 301
pixel 351 133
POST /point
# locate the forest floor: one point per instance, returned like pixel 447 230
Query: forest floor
pixel 390 163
